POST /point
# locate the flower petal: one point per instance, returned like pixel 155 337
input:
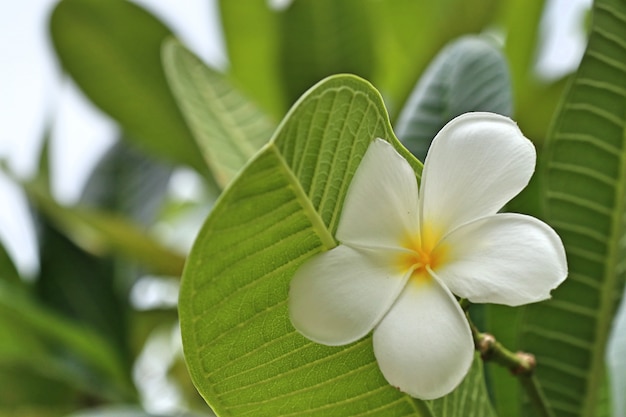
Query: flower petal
pixel 476 163
pixel 380 208
pixel 507 258
pixel 424 346
pixel 339 296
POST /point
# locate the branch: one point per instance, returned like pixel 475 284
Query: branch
pixel 520 364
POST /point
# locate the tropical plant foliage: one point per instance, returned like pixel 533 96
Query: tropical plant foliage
pixel 275 140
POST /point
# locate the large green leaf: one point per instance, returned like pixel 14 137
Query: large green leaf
pixel 470 399
pixel 469 74
pixel 522 19
pixel 112 49
pixel 251 35
pixel 242 352
pixel 228 127
pixel 81 286
pixel 319 38
pixel 584 189
pixel 409 33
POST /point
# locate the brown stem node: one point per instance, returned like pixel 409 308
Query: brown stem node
pixel 485 345
pixel 527 363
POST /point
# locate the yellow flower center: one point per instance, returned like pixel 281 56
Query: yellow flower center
pixel 424 252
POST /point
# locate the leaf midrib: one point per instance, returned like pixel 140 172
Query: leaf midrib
pixel 238 137
pixel 611 278
pixel 317 224
pixel 607 306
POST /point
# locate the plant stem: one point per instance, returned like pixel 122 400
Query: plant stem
pixel 520 364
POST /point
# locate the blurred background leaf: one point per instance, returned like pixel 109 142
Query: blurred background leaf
pixel 469 399
pixel 408 34
pixel 100 232
pixel 251 36
pixel 56 351
pixel 112 50
pixel 318 38
pixel 228 127
pixel 469 74
pixel 8 271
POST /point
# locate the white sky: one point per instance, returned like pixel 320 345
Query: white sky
pixel 32 89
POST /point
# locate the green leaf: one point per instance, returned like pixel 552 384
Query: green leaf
pixel 132 185
pixel 522 19
pixel 319 38
pixel 535 102
pixel 128 182
pixel 8 271
pixel 469 399
pixel 469 74
pixel 26 367
pixel 505 389
pixel 81 286
pixel 584 184
pixel 34 394
pixel 616 362
pixel 251 35
pixel 112 49
pixel 100 232
pixel 409 33
pixel 242 352
pixel 604 406
pixel 228 128
pixel 38 339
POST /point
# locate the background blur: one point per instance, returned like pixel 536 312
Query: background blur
pixel 37 101
pixel 35 95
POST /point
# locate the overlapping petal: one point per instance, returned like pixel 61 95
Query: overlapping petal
pixel 380 208
pixel 339 296
pixel 476 163
pixel 424 346
pixel 507 258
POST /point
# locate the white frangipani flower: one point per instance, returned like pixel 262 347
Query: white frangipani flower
pixel 404 253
